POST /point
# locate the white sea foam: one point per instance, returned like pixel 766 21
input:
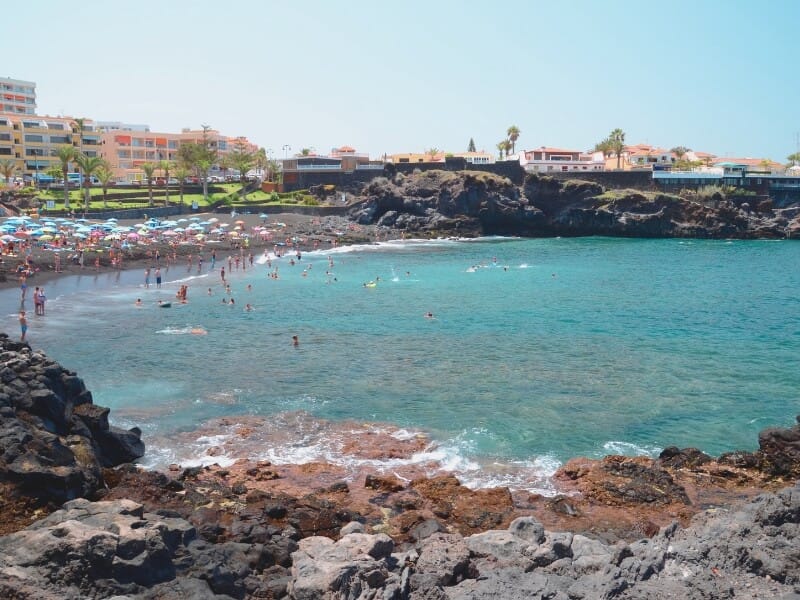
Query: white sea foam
pixel 190 278
pixel 629 449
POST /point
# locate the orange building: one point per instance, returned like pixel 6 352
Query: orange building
pixel 127 151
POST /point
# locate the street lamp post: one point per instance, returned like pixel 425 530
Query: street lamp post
pixel 286 148
pixel 36 166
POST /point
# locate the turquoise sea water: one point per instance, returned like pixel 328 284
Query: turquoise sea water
pixel 558 348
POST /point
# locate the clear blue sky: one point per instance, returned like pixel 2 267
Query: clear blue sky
pixel 716 76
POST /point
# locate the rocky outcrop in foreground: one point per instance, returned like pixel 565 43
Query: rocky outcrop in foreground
pixel 231 533
pixel 54 441
pixel 105 549
pixel 473 203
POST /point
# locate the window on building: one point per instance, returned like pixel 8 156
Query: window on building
pixel 34 138
pixel 31 124
pixel 60 139
pixel 5 151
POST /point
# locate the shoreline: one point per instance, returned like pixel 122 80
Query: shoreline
pixel 561 510
pixel 312 232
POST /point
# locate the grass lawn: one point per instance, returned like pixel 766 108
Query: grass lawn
pixel 139 198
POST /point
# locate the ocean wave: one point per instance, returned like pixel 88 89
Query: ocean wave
pixel 629 449
pixel 357 448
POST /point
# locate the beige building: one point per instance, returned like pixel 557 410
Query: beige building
pixel 32 141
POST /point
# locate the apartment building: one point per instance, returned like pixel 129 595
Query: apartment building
pixel 32 141
pixel 128 149
pixel 17 96
pixel 549 160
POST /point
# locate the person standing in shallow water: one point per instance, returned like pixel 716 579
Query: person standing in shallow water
pixel 23 325
pixel 158 277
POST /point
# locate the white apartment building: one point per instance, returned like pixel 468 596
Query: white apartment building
pixel 17 96
pixel 557 160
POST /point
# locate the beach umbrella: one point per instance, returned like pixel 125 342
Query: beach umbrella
pixel 8 238
pixel 22 233
pixel 224 225
pixel 183 220
pixel 240 222
pixel 169 233
pixel 234 234
pixel 213 220
pixel 80 236
pixel 194 218
pixel 200 236
pixel 263 216
pixel 132 235
pixel 46 238
pixel 49 229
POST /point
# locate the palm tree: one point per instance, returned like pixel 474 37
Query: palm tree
pixel 275 171
pixel 65 154
pixel 261 161
pixel 680 152
pixel 164 165
pixel 148 169
pixel 432 152
pixel 604 146
pixel 503 146
pixel 617 141
pixel 88 165
pixel 794 159
pixel 513 135
pixel 765 165
pixel 7 169
pixel 105 175
pixel 181 172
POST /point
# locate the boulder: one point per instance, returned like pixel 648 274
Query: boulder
pixel 54 441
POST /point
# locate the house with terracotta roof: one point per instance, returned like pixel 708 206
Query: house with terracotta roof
pixel 644 156
pixel 546 159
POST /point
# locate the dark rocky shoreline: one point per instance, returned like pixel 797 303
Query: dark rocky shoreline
pixel 682 526
pixel 472 203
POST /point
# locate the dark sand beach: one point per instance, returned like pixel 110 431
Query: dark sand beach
pixel 287 230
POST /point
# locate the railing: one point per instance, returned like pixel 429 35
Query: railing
pixel 319 167
pixel 686 175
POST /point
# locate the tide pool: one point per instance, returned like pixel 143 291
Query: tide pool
pixel 538 350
